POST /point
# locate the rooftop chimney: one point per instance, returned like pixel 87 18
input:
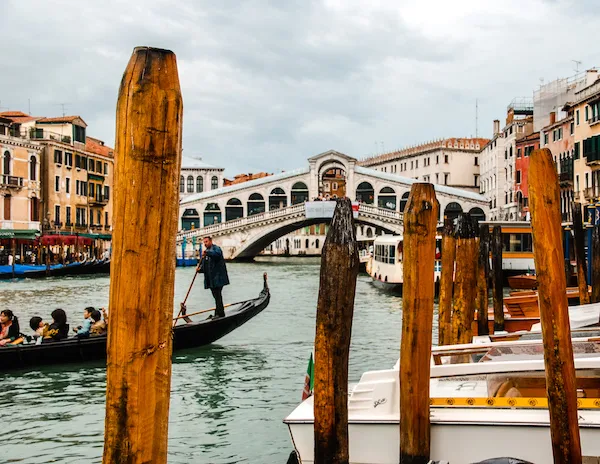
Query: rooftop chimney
pixel 552 117
pixel 496 126
pixel 590 76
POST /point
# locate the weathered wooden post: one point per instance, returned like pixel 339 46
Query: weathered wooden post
pixel 584 295
pixel 335 308
pixel 148 161
pixel 420 219
pixel 483 327
pixel 463 310
pixel 446 284
pixel 544 193
pixel 596 264
pixel 497 279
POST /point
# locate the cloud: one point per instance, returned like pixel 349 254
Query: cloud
pixel 268 84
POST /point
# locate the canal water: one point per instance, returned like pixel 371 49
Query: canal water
pixel 227 400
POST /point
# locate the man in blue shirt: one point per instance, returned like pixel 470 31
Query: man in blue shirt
pixel 215 273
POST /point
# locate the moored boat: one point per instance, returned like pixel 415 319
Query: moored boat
pixel 385 265
pixel 33 271
pixel 497 399
pixel 523 282
pixel 188 335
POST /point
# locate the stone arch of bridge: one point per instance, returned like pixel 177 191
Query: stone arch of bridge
pixel 258 241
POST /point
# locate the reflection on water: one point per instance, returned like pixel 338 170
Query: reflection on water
pixel 228 400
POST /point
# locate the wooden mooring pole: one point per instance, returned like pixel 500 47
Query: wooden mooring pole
pixel 483 276
pixel 335 308
pixel 465 288
pixel 148 161
pixel 596 264
pixel 446 284
pixel 420 219
pixel 582 284
pixel 497 281
pixel 544 192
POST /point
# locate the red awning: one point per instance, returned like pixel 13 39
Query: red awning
pixel 66 240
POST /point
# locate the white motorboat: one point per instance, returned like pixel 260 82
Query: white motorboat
pixel 386 264
pixel 494 405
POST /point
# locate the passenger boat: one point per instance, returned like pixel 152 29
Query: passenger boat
pixel 517 247
pixel 523 282
pixel 188 335
pixel 385 265
pixel 497 399
pixel 33 271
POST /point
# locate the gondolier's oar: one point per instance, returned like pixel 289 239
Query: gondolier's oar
pixel 182 309
pixel 207 310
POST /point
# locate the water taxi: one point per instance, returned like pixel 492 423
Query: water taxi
pixel 497 399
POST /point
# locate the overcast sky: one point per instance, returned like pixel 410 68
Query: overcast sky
pixel 267 84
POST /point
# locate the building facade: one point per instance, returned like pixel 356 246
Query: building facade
pixel 498 161
pixel 453 162
pixel 76 175
pixel 557 136
pixel 20 190
pixel 524 148
pixel 198 176
pixel 585 111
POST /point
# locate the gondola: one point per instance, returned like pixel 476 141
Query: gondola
pixel 186 335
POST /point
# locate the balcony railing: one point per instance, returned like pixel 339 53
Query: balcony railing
pixel 592 157
pixel 588 193
pixel 98 200
pixel 11 181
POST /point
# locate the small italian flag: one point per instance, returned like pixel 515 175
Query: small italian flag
pixel 309 380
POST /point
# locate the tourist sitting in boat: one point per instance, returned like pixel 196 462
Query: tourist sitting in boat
pixel 59 329
pixel 98 325
pixel 38 326
pixel 83 331
pixel 9 328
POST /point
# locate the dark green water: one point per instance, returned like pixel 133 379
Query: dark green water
pixel 227 400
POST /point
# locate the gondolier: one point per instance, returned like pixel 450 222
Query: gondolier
pixel 213 267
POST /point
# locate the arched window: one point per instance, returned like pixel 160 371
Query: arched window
pixel 306 243
pixel 403 201
pixel 6 163
pixel 299 193
pixel 452 210
pixel 234 209
pixel 199 184
pixel 277 199
pixel 477 213
pixel 181 184
pixel 190 219
pixel 256 204
pixel 365 193
pixel 214 183
pixel 212 214
pixel 387 198
pixel 369 232
pixel 33 168
pixel 190 184
pixel 317 243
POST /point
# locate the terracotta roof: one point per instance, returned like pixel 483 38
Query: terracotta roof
pixel 18 116
pixel 241 178
pixel 97 146
pixel 428 146
pixel 61 119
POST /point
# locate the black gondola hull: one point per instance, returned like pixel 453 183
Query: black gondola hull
pixel 190 335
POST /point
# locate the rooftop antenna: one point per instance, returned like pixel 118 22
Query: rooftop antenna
pixel 577 63
pixel 62 105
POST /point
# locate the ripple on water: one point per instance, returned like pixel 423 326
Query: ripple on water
pixel 227 401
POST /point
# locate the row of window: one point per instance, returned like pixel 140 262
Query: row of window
pixel 82 188
pixel 414 164
pixel 81 162
pixel 80 217
pixel 214 184
pixel 6 165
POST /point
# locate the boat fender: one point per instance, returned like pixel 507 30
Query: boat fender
pixel 503 461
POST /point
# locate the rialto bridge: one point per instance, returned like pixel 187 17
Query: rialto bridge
pixel 245 218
